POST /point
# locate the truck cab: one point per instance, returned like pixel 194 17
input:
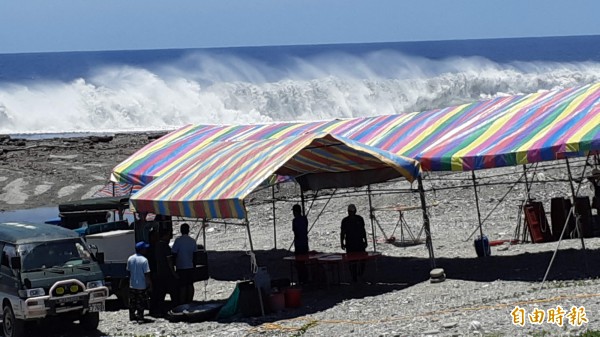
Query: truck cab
pixel 47 271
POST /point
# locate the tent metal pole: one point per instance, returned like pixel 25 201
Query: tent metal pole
pixel 527 187
pixel 302 200
pixel 371 217
pixel 428 241
pixel 274 221
pixel 477 203
pixel 204 233
pixel 556 249
pixel 247 223
pixel 577 215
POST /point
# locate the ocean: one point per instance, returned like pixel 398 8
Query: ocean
pixel 126 91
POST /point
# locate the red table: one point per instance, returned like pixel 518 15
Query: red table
pixel 331 261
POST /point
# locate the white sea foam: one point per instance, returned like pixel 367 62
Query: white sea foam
pixel 204 88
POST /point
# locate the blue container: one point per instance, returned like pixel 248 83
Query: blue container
pixel 482 246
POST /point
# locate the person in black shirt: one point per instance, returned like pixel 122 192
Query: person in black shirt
pixel 300 228
pixel 353 239
pixel 165 280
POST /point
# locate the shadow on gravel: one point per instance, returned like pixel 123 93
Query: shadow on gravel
pixel 56 328
pixel 569 264
pixel 395 273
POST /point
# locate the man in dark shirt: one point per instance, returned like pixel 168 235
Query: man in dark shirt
pixel 165 279
pixel 300 228
pixel 353 239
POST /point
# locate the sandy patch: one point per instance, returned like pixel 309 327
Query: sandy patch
pixel 68 190
pixel 13 192
pixel 70 156
pixel 91 192
pixel 58 162
pixel 78 168
pixel 41 189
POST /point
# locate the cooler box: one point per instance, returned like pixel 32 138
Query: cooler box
pixel 117 246
pixel 482 246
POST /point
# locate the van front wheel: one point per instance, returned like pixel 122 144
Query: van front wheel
pixel 90 321
pixel 11 326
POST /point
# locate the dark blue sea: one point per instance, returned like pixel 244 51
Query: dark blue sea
pixel 117 91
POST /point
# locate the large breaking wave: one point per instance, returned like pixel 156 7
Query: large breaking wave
pixel 220 89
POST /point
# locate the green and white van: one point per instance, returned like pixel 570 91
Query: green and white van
pixel 47 271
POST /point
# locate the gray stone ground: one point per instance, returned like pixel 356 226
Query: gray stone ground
pixel 398 300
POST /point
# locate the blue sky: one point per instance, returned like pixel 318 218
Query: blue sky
pixel 75 25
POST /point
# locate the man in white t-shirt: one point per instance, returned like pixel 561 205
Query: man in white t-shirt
pixel 184 248
pixel 139 281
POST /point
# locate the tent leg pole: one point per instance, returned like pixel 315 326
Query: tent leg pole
pixel 204 233
pixel 428 241
pixel 527 199
pixel 527 186
pixel 577 216
pixel 302 201
pixel 274 221
pixel 556 249
pixel 477 204
pixel 249 235
pixel 371 217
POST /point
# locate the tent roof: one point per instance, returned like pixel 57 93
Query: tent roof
pixel 503 131
pixel 213 181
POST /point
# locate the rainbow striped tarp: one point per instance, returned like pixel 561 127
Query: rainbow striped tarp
pixel 503 131
pixel 213 181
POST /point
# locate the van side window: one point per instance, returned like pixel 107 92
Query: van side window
pixel 7 253
pixel 4 259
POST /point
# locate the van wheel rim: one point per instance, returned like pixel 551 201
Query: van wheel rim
pixel 8 322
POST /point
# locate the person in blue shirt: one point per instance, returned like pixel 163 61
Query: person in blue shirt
pixel 300 229
pixel 139 281
pixel 184 248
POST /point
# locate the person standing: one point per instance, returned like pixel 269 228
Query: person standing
pixel 139 281
pixel 300 229
pixel 353 239
pixel 184 248
pixel 166 279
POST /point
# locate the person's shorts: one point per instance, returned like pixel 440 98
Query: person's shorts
pixel 186 276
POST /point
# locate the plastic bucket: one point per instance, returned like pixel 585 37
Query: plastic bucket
pixel 277 301
pixel 293 297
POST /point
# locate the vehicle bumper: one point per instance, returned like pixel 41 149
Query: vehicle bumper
pixel 89 300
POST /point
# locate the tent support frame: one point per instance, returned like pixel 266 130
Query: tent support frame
pixel 274 218
pixel 473 177
pixel 371 217
pixel 428 240
pixel 576 213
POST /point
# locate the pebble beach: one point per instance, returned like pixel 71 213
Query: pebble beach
pixel 481 296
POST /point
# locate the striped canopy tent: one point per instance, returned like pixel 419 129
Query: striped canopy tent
pixel 503 131
pixel 213 180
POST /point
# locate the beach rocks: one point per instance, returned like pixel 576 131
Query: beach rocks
pixel 476 298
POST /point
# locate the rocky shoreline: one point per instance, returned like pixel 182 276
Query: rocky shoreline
pixel 476 299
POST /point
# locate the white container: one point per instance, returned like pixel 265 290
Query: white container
pixel 117 246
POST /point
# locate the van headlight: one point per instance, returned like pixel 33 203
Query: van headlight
pixel 32 292
pixel 94 284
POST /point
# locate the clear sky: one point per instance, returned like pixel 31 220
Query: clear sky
pixel 75 25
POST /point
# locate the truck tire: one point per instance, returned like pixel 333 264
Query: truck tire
pixel 11 326
pixel 90 321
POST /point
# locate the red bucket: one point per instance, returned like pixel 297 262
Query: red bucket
pixel 277 301
pixel 293 297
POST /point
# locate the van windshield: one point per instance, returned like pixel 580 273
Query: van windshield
pixel 67 253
